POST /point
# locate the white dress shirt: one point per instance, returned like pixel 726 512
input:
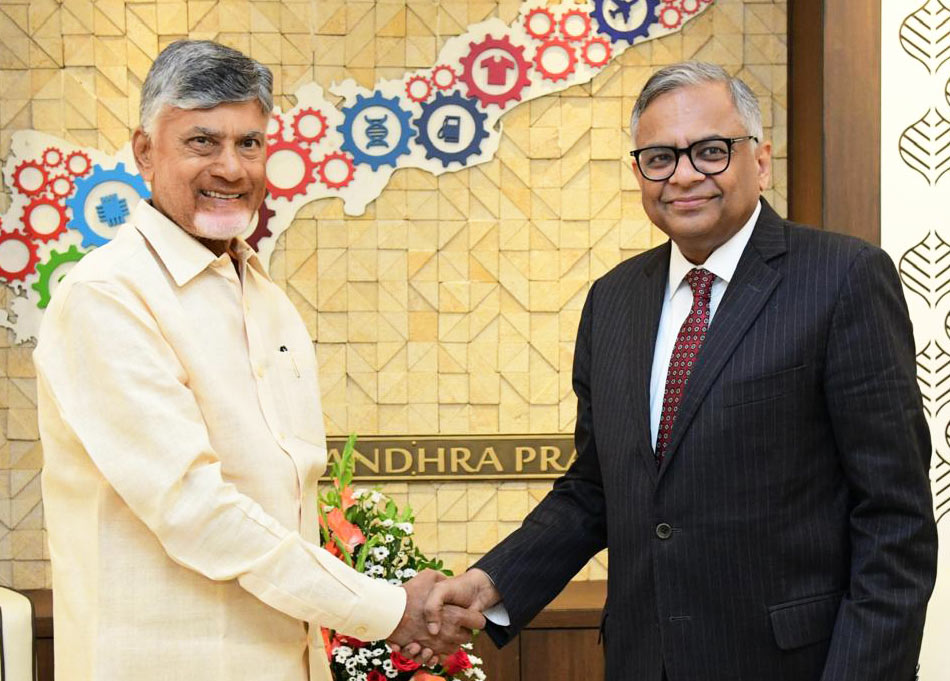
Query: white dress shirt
pixel 183 439
pixel 678 301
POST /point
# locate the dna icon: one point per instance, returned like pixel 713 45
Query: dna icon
pixel 377 132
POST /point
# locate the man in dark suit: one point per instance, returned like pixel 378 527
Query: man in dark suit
pixel 751 444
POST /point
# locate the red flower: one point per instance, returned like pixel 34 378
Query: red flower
pixel 345 531
pixel 457 662
pixel 375 675
pixel 326 642
pixel 346 497
pixel 354 643
pixel 403 664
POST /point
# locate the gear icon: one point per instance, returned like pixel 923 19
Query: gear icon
pixel 261 231
pixel 515 54
pixel 18 174
pixel 303 153
pixel 61 186
pixel 32 257
pixel 473 147
pixel 585 21
pixel 27 219
pixel 555 44
pixel 412 88
pixel 622 9
pixel 586 52
pixel 43 285
pixel 671 16
pixel 687 7
pixel 530 21
pixel 439 75
pixel 85 164
pixel 376 131
pixel 85 185
pixel 322 170
pixel 52 157
pixel 275 134
pixel 310 113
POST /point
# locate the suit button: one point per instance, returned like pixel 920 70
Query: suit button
pixel 664 531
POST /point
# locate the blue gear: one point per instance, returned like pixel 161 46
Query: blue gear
pixel 84 185
pixel 422 123
pixel 623 7
pixel 402 117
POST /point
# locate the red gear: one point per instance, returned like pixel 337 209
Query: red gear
pixel 308 164
pixel 585 52
pixel 689 7
pixel 69 164
pixel 278 135
pixel 31 262
pixel 537 11
pixel 70 185
pixel 322 170
pixel 419 79
pixel 444 68
pixel 515 52
pixel 24 165
pixel 670 16
pixel 261 231
pixel 44 236
pixel 49 163
pixel 312 139
pixel 575 13
pixel 571 59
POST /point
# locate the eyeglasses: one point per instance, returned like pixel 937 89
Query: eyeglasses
pixel 709 157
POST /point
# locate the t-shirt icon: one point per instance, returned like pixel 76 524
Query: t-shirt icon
pixel 497 68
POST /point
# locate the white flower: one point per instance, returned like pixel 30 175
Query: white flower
pixel 389 539
pixel 475 660
pixel 359 492
pixel 376 571
pixel 409 573
pixel 468 646
pixel 391 674
pixel 376 661
pixel 405 527
pixel 342 653
pixel 375 497
pixel 387 522
pixel 399 574
pixel 394 582
pixel 380 552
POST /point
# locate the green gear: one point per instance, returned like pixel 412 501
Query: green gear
pixel 46 270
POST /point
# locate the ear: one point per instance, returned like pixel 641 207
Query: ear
pixel 763 160
pixel 635 167
pixel 142 150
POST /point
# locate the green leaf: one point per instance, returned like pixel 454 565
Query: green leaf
pixel 361 559
pixel 346 554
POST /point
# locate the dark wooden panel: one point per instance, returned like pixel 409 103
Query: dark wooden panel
pixel 44 659
pixel 499 664
pixel 805 134
pixel 561 655
pixel 852 127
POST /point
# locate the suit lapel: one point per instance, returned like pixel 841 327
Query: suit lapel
pixel 750 288
pixel 645 319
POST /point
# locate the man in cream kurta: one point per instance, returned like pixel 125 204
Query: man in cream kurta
pixel 181 424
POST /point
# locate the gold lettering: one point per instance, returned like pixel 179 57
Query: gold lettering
pixel 333 455
pixel 489 456
pixel 524 455
pixel 550 457
pixel 359 459
pixel 460 457
pixel 438 459
pixel 572 459
pixel 406 460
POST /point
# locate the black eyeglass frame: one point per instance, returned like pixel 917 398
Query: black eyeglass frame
pixel 679 151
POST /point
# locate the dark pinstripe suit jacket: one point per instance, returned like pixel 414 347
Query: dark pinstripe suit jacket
pixel 802 543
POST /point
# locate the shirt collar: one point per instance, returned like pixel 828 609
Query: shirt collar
pixel 722 262
pixel 183 255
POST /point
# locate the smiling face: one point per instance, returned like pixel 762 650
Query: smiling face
pixel 701 212
pixel 206 168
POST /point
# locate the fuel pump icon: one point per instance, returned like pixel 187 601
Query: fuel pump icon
pixel 451 129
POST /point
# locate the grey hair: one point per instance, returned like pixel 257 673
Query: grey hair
pixel 688 73
pixel 200 74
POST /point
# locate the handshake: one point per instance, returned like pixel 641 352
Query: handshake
pixel 441 614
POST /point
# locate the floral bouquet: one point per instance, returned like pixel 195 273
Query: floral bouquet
pixel 368 532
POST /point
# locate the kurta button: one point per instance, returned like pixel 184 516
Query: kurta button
pixel 260 372
pixel 664 531
pixel 360 630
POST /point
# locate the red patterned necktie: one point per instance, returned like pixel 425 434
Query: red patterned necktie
pixel 688 341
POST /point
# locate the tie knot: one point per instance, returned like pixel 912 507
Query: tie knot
pixel 700 282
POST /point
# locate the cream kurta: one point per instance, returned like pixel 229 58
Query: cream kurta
pixel 183 438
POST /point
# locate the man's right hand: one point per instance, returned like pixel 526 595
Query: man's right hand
pixel 473 589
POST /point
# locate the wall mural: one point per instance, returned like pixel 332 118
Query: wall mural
pixel 915 230
pixel 69 200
